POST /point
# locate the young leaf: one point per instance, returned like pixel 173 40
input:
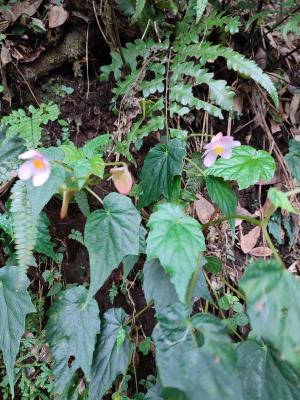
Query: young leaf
pixel 264 375
pixel 161 164
pixel 110 360
pixel 110 235
pixel 163 294
pixel 71 333
pixel 273 298
pixel 221 193
pixel 246 166
pixel 15 304
pixel 177 240
pixel 280 199
pixel 195 355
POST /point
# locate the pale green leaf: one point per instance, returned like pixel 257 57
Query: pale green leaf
pixel 280 199
pixel 162 163
pixel 264 375
pixel 177 241
pixel 247 166
pixel 110 360
pixel 15 304
pixel 71 332
pixel 200 8
pixel 110 235
pixel 273 305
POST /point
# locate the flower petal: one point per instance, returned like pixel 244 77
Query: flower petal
pixel 30 154
pixel 226 154
pixel 236 143
pixel 209 159
pixel 122 179
pixel 26 171
pixel 217 137
pixel 41 176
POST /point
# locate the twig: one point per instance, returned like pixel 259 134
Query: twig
pixel 87 61
pixel 27 84
pixel 271 29
pixel 94 194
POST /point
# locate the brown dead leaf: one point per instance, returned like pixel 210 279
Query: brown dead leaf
pixel 261 252
pixel 27 7
pixel 57 16
pixel 294 108
pixel 5 55
pixel 204 209
pixel 249 240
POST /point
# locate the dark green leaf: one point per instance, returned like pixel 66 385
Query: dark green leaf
pixel 110 235
pixel 273 305
pixel 246 166
pixel 264 375
pixel 109 359
pixel 194 355
pixel 71 333
pixel 176 240
pixel 161 164
pixel 15 304
pixel 130 261
pixel 293 158
pixel 157 285
pixel 43 243
pixel 213 264
pixel 221 193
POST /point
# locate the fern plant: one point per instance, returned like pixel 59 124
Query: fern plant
pixel 165 75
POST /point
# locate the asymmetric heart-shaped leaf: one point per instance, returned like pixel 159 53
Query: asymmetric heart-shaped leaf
pixel 264 375
pixel 176 240
pixel 15 304
pixel 71 333
pixel 162 163
pixel 110 358
pixel 195 355
pixel 110 235
pixel 246 166
pixel 273 305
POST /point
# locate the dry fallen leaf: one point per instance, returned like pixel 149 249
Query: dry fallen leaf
pixel 249 240
pixel 261 252
pixel 57 16
pixel 204 209
pixel 5 55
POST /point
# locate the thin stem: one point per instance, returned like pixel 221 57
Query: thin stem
pixel 218 221
pixel 196 166
pixel 123 164
pixel 94 194
pixel 271 245
pixel 137 315
pixel 198 134
pixel 236 291
pixel 193 282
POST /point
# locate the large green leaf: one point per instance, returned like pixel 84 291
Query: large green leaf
pixel 71 333
pixel 162 163
pixel 110 235
pixel 246 166
pixel 221 193
pixel 110 359
pixel 195 356
pixel 264 375
pixel 15 304
pixel 273 305
pixel 40 195
pixel 176 240
pixel 157 285
pixel 293 158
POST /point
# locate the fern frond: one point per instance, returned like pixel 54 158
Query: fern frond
pixel 292 26
pixel 83 203
pixel 139 6
pixel 235 61
pixel 200 8
pixel 24 225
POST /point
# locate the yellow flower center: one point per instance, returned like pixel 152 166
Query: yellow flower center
pixel 38 164
pixel 218 150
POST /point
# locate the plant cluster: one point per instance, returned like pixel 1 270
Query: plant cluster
pixel 159 86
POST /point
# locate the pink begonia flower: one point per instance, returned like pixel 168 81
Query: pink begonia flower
pixel 37 167
pixel 219 146
pixel 122 179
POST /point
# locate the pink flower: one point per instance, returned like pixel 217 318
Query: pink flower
pixel 219 146
pixel 37 167
pixel 122 179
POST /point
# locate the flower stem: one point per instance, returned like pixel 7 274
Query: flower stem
pixel 94 194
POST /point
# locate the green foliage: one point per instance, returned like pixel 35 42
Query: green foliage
pixel 15 304
pixel 110 360
pixel 280 199
pixel 200 8
pixel 110 235
pixel 30 128
pixel 43 243
pixel 177 241
pixel 291 26
pixel 71 332
pixel 161 165
pixel 246 166
pixel 293 158
pixel 24 225
pixel 273 306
